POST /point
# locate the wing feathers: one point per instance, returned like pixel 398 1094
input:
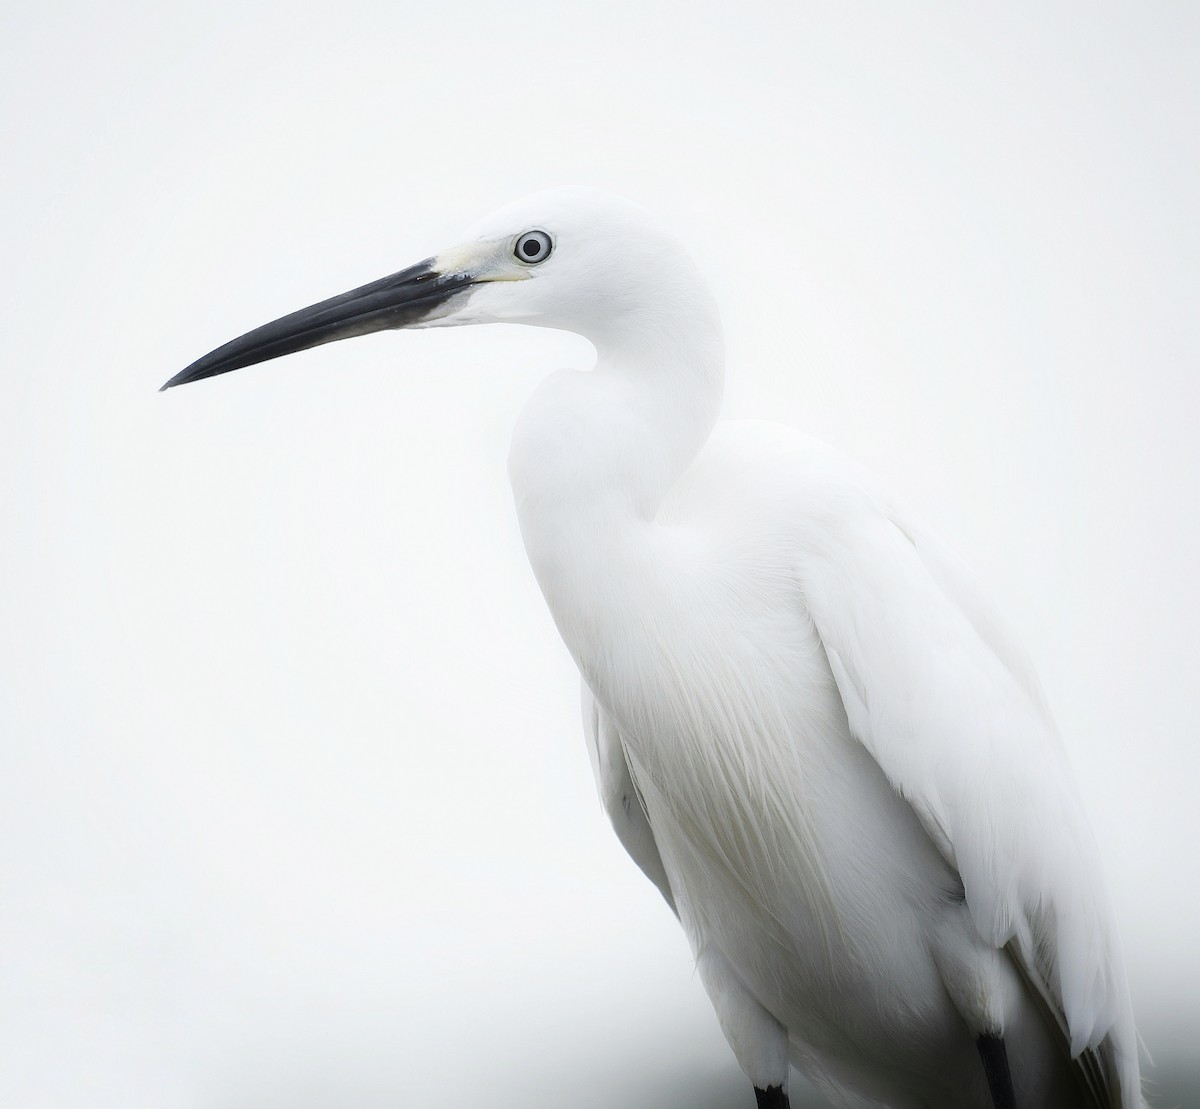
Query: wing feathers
pixel 939 692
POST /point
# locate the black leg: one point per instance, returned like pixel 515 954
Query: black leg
pixel 995 1066
pixel 772 1097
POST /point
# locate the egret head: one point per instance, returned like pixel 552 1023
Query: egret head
pixel 576 259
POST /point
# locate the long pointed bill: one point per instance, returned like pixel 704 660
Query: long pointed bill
pixel 404 299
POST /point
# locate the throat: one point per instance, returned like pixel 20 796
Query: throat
pixel 627 429
pixel 593 456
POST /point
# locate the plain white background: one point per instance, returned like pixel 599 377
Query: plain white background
pixel 295 810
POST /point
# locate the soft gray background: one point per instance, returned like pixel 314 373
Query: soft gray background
pixel 294 807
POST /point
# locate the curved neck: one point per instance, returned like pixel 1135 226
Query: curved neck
pixel 623 433
pixel 595 453
pixel 662 388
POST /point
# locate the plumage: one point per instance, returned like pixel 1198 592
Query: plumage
pixel 808 728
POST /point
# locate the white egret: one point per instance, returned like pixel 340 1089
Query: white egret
pixel 808 728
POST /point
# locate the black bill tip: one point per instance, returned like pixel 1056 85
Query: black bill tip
pixel 399 300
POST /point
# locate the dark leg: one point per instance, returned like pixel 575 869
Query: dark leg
pixel 995 1066
pixel 772 1097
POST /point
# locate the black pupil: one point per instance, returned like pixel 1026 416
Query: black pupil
pixel 531 247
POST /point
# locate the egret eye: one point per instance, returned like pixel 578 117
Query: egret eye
pixel 533 247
